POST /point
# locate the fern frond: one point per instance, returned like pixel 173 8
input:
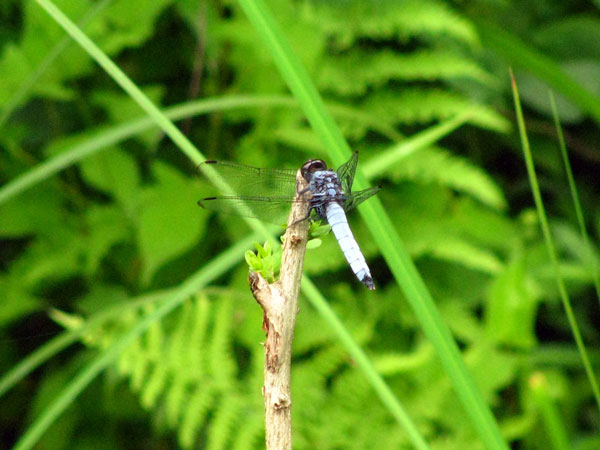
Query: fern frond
pixel 374 69
pixel 314 374
pixel 350 20
pixel 439 166
pixel 154 387
pixel 154 341
pixel 196 409
pixel 199 319
pixel 420 106
pixel 176 398
pixel 462 252
pixel 178 349
pixel 140 369
pixel 220 361
pixel 225 418
pixel 183 368
pixel 250 434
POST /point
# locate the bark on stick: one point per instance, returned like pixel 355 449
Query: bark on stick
pixel 279 302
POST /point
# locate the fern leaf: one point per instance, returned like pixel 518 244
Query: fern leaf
pixel 222 425
pixel 436 165
pixel 465 253
pixel 175 400
pixel 139 371
pixel 417 105
pixel 154 342
pixel 178 348
pixel 373 69
pixel 154 387
pixel 220 361
pixel 199 318
pixel 250 434
pixel 194 415
pixel 349 20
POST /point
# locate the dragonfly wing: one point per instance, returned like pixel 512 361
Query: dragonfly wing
pixel 346 172
pixel 268 209
pixel 240 180
pixel 356 198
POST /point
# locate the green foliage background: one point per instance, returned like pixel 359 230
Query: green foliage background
pixel 117 232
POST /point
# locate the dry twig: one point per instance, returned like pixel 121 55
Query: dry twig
pixel 279 302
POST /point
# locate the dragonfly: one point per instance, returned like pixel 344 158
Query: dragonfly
pixel 267 194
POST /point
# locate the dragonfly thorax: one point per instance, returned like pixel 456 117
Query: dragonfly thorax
pixel 325 182
pixel 326 188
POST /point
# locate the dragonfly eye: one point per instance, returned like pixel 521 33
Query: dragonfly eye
pixel 311 166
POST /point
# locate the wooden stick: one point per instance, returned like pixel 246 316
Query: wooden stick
pixel 279 302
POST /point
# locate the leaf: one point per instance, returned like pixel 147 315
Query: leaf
pixel 493 369
pixel 121 108
pixel 35 211
pixel 169 222
pixel 126 24
pixel 313 243
pixel 266 260
pixel 511 308
pixel 49 258
pixel 318 229
pixel 15 67
pixel 114 172
pixel 17 301
pixel 107 226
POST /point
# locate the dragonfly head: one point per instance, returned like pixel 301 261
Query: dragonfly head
pixel 311 166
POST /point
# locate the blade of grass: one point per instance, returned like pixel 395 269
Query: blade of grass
pixel 539 204
pixel 378 222
pixel 101 139
pixel 517 53
pixel 574 194
pixel 211 271
pixel 19 94
pixel 167 126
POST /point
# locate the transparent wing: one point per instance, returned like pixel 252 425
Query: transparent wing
pixel 268 209
pixel 241 180
pixel 356 198
pixel 346 172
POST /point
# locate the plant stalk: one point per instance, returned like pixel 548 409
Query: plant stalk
pixel 279 302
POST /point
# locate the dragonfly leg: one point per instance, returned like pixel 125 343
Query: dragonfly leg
pixel 303 219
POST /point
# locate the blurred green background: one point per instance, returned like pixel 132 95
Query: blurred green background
pixel 110 231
